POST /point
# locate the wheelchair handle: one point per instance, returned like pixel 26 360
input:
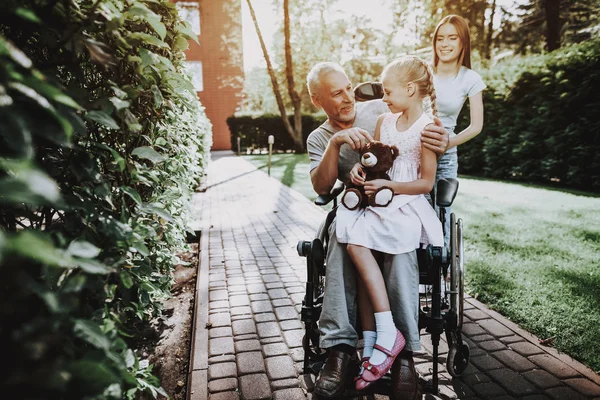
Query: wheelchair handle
pixel 332 195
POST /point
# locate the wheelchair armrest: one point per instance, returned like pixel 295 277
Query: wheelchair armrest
pixel 335 191
pixel 446 190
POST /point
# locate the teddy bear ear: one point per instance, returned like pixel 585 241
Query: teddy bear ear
pixel 395 151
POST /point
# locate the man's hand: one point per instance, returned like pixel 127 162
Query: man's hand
pixel 374 185
pixel 435 137
pixel 356 138
pixel 357 175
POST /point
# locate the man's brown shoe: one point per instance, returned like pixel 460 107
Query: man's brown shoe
pixel 405 380
pixel 332 380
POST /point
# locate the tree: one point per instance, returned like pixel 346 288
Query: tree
pixel 295 131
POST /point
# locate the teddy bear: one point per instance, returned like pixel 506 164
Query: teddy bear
pixel 376 158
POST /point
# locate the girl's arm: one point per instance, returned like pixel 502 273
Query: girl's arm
pixel 378 127
pixel 476 106
pixel 419 186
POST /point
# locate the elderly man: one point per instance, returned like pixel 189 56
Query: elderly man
pixel 332 150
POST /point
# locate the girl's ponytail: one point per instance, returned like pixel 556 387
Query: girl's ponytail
pixel 430 89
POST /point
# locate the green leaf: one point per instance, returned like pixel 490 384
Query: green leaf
pixel 102 118
pixel 96 375
pixel 148 153
pixel 185 28
pixel 131 192
pixel 147 39
pixel 158 210
pixel 141 248
pixel 119 104
pixel 27 15
pixel 36 246
pixel 83 249
pixel 29 186
pixel 91 333
pixel 158 97
pixel 7 48
pixel 92 266
pixel 126 279
pixel 153 19
pixel 119 161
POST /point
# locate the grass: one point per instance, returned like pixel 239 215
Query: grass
pixel 532 253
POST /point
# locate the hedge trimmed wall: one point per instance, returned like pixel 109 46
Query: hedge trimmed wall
pixel 102 141
pixel 542 122
pixel 254 131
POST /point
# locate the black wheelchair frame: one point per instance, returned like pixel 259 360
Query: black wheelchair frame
pixel 440 314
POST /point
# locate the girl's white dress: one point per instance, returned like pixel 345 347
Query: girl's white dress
pixel 408 220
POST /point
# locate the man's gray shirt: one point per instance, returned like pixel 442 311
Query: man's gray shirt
pixel 366 118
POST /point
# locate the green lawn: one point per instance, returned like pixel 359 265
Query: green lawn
pixel 531 253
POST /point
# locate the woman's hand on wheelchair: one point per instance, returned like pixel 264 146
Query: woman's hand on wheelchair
pixel 357 175
pixel 374 185
pixel 435 137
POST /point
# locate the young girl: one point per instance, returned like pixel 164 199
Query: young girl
pixel 401 226
pixel 454 81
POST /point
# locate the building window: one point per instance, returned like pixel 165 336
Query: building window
pixel 190 11
pixel 194 69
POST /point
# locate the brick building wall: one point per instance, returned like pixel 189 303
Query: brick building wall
pixel 221 54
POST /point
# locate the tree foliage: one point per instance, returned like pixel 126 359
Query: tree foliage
pixel 102 139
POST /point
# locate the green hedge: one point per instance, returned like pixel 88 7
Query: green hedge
pixel 102 140
pixel 541 120
pixel 254 131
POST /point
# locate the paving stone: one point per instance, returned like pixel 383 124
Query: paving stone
pixel 220 346
pixel 222 385
pixel 215 295
pixel 472 329
pixel 294 337
pixel 278 293
pixel 542 379
pixel 274 339
pixel 563 393
pixel 488 390
pixel 265 317
pixel 513 383
pixel 482 338
pixel 239 300
pixel 584 386
pixel 284 313
pixel 284 384
pixel 222 370
pixel 536 397
pixel 250 363
pixel 282 302
pixel 240 310
pixel 492 345
pixel 268 329
pixel 511 339
pixel 247 345
pixel 554 366
pixel 514 360
pixel 280 367
pixel 475 314
pixel 474 379
pixel 254 288
pixel 275 349
pixel 225 396
pixel 220 332
pixel 495 328
pixel 274 285
pixel 220 319
pixel 525 348
pixel 221 358
pixel 486 362
pixel 213 305
pixel 247 336
pixel 243 327
pixel 291 324
pixel 237 289
pixel 255 387
pixel 261 306
pixel 259 297
pixel 293 288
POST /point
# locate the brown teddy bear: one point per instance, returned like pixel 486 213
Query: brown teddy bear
pixel 376 158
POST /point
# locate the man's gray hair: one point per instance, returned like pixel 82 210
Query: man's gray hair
pixel 313 79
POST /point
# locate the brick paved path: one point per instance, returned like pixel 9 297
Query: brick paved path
pixel 250 288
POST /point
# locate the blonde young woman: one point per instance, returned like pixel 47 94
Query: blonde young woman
pixel 454 82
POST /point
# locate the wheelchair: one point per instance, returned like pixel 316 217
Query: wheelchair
pixel 440 312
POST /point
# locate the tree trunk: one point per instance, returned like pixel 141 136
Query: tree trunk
pixel 276 91
pixel 552 11
pixel 289 72
pixel 489 36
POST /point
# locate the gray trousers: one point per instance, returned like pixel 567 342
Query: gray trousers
pixel 337 323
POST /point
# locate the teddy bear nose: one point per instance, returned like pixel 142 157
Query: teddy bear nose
pixel 367 156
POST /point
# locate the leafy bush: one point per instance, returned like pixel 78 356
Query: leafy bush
pixel 254 131
pixel 102 140
pixel 540 120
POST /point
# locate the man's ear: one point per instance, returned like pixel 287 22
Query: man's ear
pixel 315 100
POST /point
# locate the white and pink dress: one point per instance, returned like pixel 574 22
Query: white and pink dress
pixel 409 220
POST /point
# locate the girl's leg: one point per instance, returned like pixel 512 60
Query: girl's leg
pixel 367 320
pixel 373 284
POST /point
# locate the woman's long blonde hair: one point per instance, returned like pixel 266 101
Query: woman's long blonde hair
pixel 462 28
pixel 414 69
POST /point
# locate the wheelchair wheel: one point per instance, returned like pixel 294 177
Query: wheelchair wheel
pixel 458 360
pixel 457 268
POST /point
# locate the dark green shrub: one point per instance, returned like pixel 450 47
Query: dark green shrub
pixel 254 131
pixel 541 122
pixel 102 140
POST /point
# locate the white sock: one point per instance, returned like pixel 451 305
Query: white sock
pixel 386 336
pixel 369 337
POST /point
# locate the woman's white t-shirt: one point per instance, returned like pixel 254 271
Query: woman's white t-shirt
pixel 451 94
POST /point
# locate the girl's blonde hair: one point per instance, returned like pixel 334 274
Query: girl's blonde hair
pixel 413 69
pixel 462 28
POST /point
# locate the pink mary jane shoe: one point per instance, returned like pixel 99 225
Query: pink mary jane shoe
pixel 372 373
